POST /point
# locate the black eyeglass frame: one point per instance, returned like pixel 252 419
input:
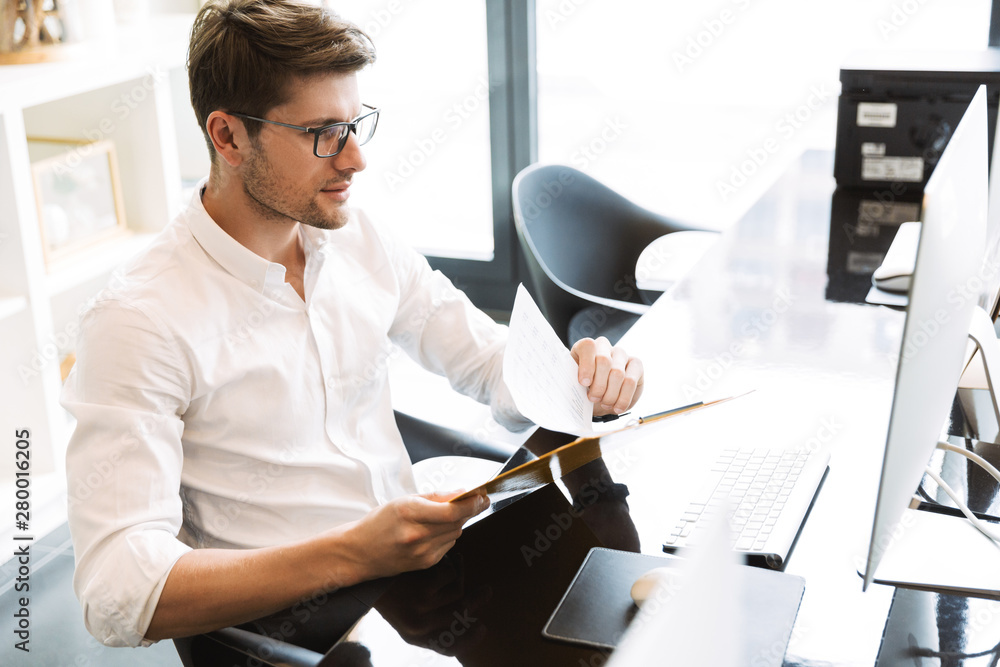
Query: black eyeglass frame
pixel 352 126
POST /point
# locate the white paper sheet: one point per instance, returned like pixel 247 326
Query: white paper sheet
pixel 541 373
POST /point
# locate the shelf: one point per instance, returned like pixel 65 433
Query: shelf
pixel 12 305
pixel 163 47
pixel 95 262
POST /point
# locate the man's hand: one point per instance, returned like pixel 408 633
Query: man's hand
pixel 234 586
pixel 409 533
pixel 613 378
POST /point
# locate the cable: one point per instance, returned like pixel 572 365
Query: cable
pixel 983 463
pixel 926 496
pixel 962 506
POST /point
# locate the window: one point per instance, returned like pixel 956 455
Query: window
pixel 428 174
pixel 668 101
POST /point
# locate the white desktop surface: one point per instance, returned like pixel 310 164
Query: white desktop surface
pixel 753 314
pixel 941 552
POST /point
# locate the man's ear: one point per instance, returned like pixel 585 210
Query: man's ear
pixel 229 136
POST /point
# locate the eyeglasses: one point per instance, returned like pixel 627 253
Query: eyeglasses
pixel 330 139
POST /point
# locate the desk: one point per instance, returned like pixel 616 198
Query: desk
pixel 773 306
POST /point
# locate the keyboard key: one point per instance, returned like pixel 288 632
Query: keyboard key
pixel 757 484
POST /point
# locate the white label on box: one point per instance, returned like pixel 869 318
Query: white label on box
pixel 903 169
pixel 876 114
pixel 887 212
pixel 863 262
pixel 873 149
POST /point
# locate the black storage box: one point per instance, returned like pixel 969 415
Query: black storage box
pixel 897 112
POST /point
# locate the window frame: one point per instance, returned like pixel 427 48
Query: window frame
pixel 513 105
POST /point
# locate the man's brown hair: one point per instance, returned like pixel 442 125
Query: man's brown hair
pixel 244 52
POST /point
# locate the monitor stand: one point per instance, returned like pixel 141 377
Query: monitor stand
pixel 977 392
pixel 939 552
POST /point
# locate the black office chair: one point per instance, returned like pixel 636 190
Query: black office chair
pixel 238 646
pixel 581 240
pixel 426 440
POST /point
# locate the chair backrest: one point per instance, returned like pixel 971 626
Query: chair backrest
pixel 581 239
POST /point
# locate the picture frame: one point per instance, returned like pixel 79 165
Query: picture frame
pixel 78 195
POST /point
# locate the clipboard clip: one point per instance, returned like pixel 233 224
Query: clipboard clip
pixel 603 419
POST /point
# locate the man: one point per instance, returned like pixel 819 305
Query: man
pixel 235 448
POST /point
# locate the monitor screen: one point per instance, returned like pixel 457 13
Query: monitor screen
pixel 945 289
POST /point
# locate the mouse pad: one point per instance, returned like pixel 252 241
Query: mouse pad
pixel 597 607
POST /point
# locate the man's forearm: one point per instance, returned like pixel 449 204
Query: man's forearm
pixel 208 589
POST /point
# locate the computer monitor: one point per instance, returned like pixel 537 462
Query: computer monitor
pixel 990 300
pixel 944 291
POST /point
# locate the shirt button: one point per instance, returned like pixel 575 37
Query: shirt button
pixel 330 382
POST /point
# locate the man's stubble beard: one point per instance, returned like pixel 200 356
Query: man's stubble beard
pixel 266 198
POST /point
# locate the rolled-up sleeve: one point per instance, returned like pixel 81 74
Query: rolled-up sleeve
pixel 127 392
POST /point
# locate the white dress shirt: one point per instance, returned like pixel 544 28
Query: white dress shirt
pixel 215 408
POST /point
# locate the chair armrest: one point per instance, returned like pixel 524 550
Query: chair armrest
pixel 268 650
pixel 425 440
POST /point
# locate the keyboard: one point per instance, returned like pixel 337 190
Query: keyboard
pixel 768 494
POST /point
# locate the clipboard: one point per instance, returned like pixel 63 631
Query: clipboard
pixel 563 460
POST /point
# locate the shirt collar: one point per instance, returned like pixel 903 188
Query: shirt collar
pixel 235 258
pixel 314 240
